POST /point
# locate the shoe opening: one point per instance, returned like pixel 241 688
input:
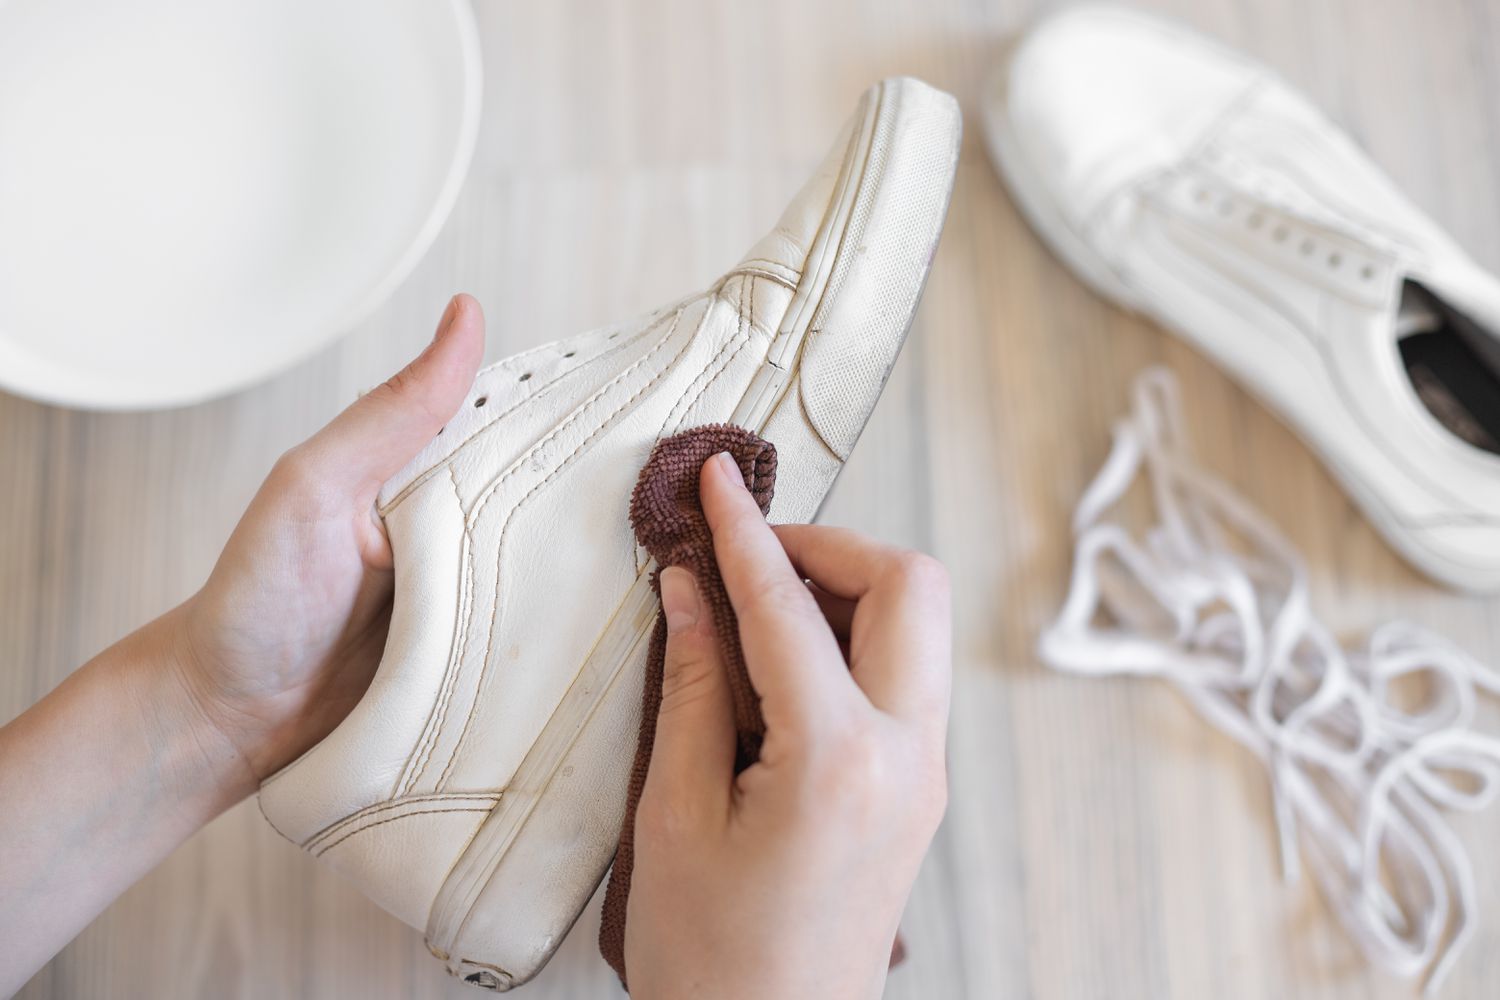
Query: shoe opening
pixel 1453 364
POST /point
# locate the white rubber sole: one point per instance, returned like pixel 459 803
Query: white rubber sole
pixel 550 839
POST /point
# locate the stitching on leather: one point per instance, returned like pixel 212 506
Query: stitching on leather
pixel 456 660
pixel 471 517
pixel 495 418
pixel 786 283
pixel 382 807
pixel 743 336
pixel 501 415
pixel 422 751
pixel 460 644
pixel 490 490
pixel 749 292
pixel 747 325
pixel 504 364
pixel 261 805
pixel 403 785
pixel 741 341
pixel 474 798
pixel 576 415
pixel 500 547
pixel 771 263
pixel 510 360
pixel 392 819
pixel 791 273
pixel 679 412
pixel 678 409
pixel 566 461
pixel 746 306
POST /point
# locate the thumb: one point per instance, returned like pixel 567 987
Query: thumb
pixel 692 756
pixel 385 428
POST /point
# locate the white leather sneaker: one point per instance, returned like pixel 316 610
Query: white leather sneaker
pixel 1186 182
pixel 477 790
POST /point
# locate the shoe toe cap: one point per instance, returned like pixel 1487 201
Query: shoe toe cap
pixel 1097 97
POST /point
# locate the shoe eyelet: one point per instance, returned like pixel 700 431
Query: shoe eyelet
pixel 1367 272
pixel 478 403
pixel 1279 234
pixel 570 354
pixel 1254 220
pixel 525 376
pixel 1334 260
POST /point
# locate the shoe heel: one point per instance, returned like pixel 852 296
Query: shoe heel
pixel 551 837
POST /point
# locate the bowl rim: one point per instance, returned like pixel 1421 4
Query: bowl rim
pixel 92 393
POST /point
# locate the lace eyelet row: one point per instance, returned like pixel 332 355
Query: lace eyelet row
pixel 1255 220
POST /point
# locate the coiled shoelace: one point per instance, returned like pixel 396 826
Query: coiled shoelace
pixel 1214 599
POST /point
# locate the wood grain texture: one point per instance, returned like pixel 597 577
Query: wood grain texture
pixel 1101 841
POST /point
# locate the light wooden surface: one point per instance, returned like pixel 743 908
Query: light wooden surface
pixel 1101 841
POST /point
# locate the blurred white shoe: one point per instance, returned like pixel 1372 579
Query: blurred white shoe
pixel 1185 181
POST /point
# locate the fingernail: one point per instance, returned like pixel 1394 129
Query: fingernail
pixel 679 599
pixel 730 468
pixel 448 316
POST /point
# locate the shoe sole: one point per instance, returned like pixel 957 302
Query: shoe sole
pixel 528 849
pixel 1039 210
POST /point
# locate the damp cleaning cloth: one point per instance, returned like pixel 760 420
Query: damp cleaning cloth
pixel 669 524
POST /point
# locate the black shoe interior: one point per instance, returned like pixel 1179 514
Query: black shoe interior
pixel 1453 364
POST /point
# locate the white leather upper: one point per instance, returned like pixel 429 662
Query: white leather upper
pixel 511 552
pixel 1187 182
pixel 514 553
pixel 1097 97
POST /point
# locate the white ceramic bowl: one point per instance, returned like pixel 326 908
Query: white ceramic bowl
pixel 195 194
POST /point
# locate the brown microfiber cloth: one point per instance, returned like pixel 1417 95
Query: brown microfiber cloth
pixel 669 524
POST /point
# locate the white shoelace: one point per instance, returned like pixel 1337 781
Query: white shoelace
pixel 1214 599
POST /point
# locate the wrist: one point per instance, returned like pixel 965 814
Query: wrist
pixel 201 766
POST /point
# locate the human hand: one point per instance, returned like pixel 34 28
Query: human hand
pixel 789 879
pixel 191 711
pixel 283 639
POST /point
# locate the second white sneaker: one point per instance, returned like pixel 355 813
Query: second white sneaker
pixel 1184 181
